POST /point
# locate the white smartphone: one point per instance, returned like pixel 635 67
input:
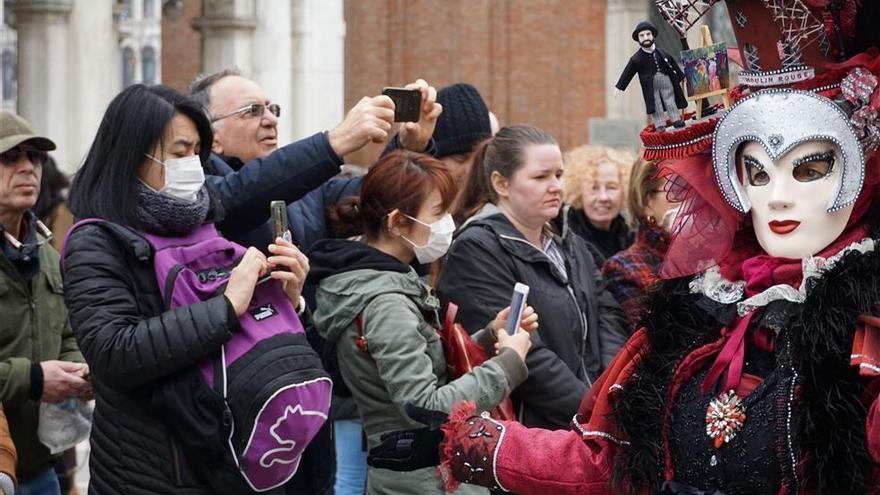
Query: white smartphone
pixel 517 305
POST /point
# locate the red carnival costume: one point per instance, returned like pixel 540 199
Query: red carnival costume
pixel 753 374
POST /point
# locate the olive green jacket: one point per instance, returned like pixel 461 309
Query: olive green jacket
pixel 404 363
pixel 33 328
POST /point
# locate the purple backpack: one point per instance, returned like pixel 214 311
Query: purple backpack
pixel 271 379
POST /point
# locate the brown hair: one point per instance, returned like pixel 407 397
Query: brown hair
pixel 503 153
pixel 643 181
pixel 400 181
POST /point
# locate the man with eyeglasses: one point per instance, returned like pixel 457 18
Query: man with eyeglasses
pixel 246 140
pixel 245 125
pixel 39 358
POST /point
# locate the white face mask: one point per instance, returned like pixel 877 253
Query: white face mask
pixel 789 198
pixel 438 241
pixel 184 177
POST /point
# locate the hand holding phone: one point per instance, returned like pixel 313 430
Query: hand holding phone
pixel 517 304
pixel 407 103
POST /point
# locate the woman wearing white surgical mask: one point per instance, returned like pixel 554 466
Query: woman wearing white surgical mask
pixel 183 178
pixel 382 319
pixel 632 272
pixel 143 174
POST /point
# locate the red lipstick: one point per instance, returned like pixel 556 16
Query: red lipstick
pixel 784 227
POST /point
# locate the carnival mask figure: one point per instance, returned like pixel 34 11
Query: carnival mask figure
pixel 791 160
pixel 756 365
pixel 789 197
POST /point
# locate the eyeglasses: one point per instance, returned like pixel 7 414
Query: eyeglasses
pixel 27 246
pixel 253 110
pixel 37 157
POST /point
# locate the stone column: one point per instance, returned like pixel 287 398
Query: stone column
pixel 227 28
pixel 622 16
pixel 43 75
pixel 318 65
pixel 625 113
pixel 94 73
pixel 273 60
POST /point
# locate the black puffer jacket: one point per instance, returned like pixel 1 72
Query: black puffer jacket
pixel 132 347
pixel 581 325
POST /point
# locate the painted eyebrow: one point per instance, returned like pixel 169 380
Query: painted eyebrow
pixel 752 161
pixel 819 156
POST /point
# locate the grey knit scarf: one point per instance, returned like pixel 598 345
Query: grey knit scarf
pixel 165 215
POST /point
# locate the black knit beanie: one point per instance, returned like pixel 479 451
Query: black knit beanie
pixel 464 121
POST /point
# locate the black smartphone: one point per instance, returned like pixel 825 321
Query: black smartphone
pixel 407 103
pixel 279 221
pixel 279 224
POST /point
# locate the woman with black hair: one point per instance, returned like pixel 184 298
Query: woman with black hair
pixel 143 174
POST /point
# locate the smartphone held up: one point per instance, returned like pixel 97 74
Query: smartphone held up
pixel 279 225
pixel 407 103
pixel 517 305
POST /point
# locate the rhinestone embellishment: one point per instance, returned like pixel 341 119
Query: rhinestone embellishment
pixel 775 141
pixel 724 418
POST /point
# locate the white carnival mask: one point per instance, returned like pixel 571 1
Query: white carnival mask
pixel 789 197
pixel 802 168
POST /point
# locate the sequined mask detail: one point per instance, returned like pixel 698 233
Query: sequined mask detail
pixel 780 119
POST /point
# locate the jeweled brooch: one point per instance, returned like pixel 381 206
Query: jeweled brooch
pixel 724 417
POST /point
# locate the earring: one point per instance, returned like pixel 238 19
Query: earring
pixel 651 220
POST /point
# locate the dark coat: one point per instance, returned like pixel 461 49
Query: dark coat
pixel 307 213
pixel 289 174
pixel 603 244
pixel 133 346
pixel 581 325
pixel 642 63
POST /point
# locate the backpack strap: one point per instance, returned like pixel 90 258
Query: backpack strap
pixel 449 319
pixel 360 341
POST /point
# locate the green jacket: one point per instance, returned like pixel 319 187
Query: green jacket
pixel 33 328
pixel 405 361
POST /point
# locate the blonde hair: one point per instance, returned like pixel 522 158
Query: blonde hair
pixel 582 165
pixel 643 182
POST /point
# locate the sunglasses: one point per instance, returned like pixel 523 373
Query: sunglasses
pixel 37 157
pixel 253 110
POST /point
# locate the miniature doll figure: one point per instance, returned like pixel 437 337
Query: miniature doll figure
pixel 659 76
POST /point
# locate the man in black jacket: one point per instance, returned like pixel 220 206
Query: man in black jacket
pixel 659 76
pixel 245 132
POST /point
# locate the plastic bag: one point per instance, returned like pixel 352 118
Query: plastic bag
pixel 65 424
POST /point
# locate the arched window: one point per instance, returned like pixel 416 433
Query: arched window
pixel 128 66
pixel 148 59
pixel 10 79
pixel 149 9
